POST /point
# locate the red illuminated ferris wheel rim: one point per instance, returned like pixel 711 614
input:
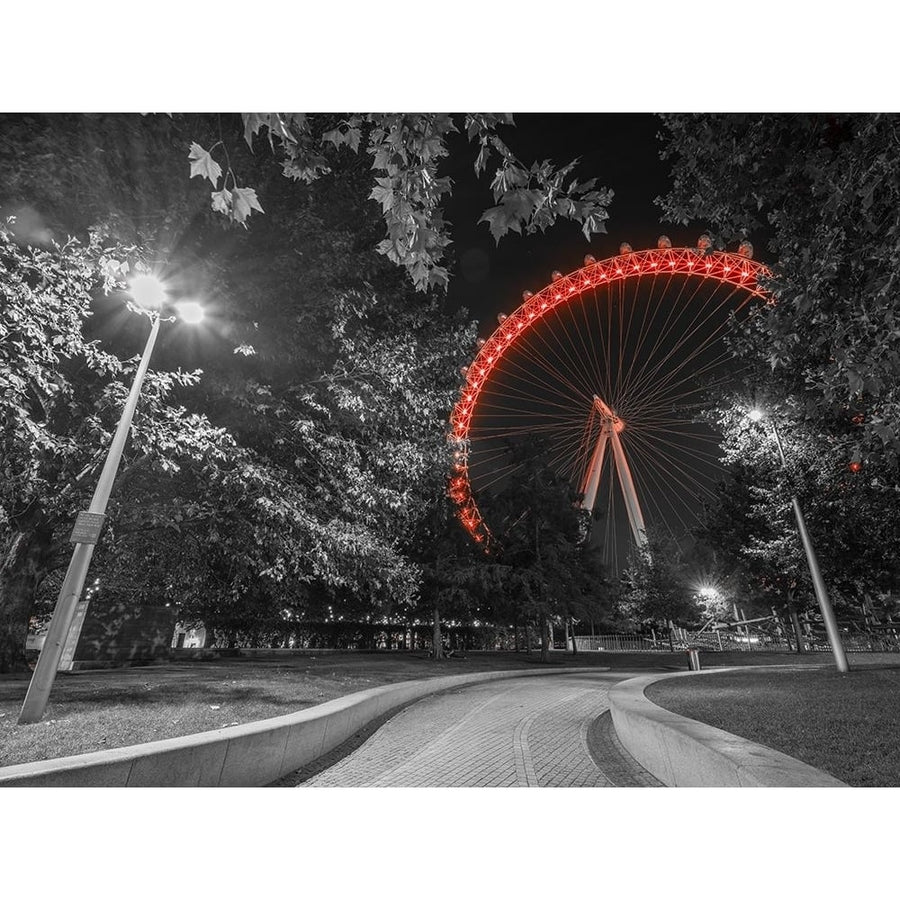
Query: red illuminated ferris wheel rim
pixel 736 269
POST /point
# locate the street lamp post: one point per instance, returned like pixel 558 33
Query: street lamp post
pixel 148 292
pixel 831 627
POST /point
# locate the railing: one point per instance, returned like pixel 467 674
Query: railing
pixel 730 641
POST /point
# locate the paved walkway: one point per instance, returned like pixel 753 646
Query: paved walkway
pixel 550 731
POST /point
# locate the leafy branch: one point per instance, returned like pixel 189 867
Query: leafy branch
pixel 406 153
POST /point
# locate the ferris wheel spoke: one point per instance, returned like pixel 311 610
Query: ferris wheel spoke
pixel 673 467
pixel 689 335
pixel 661 493
pixel 668 391
pixel 557 379
pixel 676 307
pixel 653 363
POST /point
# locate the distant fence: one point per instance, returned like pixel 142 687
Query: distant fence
pixel 728 640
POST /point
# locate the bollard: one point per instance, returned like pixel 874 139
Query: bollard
pixel 693 660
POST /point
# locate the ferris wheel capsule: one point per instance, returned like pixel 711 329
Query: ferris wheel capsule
pixel 704 242
pixel 501 317
pixel 625 248
pixel 556 275
pixel 480 342
pixel 745 249
pixel 664 242
pixel 589 260
pixel 463 370
pixel 527 295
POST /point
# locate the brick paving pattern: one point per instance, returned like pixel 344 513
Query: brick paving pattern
pixel 526 732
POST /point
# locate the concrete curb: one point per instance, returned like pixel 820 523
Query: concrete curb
pixel 682 752
pixel 250 755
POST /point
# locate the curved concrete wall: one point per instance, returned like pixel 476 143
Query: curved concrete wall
pixel 250 755
pixel 681 752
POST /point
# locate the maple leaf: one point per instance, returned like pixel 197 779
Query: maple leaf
pixel 221 201
pixel 252 123
pixel 203 164
pixel 243 202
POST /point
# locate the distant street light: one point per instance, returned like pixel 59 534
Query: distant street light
pixel 831 628
pixel 149 293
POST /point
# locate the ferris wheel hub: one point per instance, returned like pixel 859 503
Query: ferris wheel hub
pixel 608 415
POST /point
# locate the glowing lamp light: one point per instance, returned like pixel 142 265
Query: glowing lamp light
pixel 855 466
pixel 148 291
pixel 755 415
pixel 190 312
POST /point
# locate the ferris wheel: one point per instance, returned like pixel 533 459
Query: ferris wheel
pixel 611 367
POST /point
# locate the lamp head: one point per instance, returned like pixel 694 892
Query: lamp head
pixel 190 312
pixel 755 415
pixel 147 291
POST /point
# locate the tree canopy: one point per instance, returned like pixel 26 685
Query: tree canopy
pixel 821 192
pixel 302 466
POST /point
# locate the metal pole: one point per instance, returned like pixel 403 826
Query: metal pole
pixel 70 593
pixel 831 627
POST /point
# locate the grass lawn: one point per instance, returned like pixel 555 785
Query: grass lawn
pixel 847 725
pixel 101 709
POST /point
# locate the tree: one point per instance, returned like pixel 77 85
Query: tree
pixel 548 568
pixel 824 192
pixel 332 480
pixel 655 588
pixel 60 398
pixel 849 514
pixel 331 418
pixel 455 576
